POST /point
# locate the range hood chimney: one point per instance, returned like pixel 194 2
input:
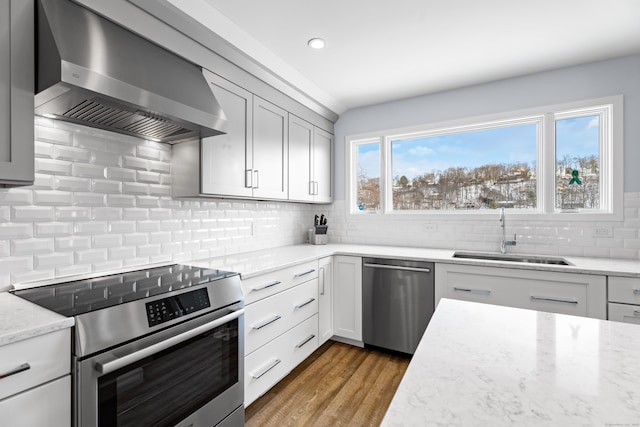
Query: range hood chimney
pixel 93 72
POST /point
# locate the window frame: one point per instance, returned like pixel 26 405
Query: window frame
pixel 610 111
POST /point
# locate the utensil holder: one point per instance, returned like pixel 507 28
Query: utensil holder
pixel 318 239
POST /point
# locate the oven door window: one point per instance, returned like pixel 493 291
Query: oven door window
pixel 165 388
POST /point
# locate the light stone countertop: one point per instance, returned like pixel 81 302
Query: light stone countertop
pixel 486 365
pixel 250 264
pixel 21 319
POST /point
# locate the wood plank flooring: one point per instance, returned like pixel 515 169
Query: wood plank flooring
pixel 338 385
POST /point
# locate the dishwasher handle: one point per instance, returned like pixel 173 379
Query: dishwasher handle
pixel 397 267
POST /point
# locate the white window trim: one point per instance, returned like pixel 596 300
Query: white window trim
pixel 611 161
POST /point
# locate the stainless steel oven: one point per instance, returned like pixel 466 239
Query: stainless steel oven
pixel 156 347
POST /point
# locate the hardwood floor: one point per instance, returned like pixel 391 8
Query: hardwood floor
pixel 338 385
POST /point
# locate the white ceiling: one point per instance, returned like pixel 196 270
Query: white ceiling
pixel 381 50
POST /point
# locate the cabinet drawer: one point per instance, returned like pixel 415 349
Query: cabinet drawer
pixel 624 313
pixel 272 316
pixel 48 357
pixel 47 405
pixel 259 287
pixel 269 364
pixel 624 289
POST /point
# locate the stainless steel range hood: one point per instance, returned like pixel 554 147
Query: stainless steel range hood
pixel 93 72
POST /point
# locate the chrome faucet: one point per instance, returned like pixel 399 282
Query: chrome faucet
pixel 505 242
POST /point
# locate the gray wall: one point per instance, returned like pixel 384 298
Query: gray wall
pixel 620 76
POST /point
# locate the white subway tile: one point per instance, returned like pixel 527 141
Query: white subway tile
pixel 148 250
pixel 53 229
pixel 122 227
pixel 90 256
pixel 107 265
pixel 190 224
pixel 121 200
pixel 136 239
pixel 160 237
pixel 160 258
pixel 123 252
pixel 147 202
pixel 72 243
pixel 72 213
pixel 5 248
pixel 105 158
pixel 32 276
pixel 52 135
pixel 43 149
pixel 147 152
pixel 171 248
pixel 53 260
pixel 119 174
pixel 148 226
pixel 108 214
pixel 16 264
pixel 165 179
pixel 170 225
pixel 71 183
pixel 71 154
pixel 90 227
pixel 624 253
pixel 159 214
pixel 208 243
pixel 88 171
pixel 15 197
pixel 32 213
pixel 89 199
pixel 199 254
pixel 169 203
pixel 200 234
pixel 106 187
pixel 130 162
pixel 159 190
pixel 181 235
pixel 52 167
pixel 31 246
pixel 161 167
pixel 43 182
pixel 131 262
pixel 52 198
pixel 149 177
pixel 107 241
pixel 135 188
pixel 135 214
pixel 72 270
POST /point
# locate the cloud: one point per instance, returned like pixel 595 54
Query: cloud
pixel 420 150
pixel 593 123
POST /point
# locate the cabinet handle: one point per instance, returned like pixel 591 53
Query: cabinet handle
pixel 397 267
pixel 311 188
pixel 564 301
pixel 315 188
pixel 266 285
pixel 636 312
pixel 257 173
pixel 636 291
pixel 265 370
pixel 322 281
pixel 305 303
pixel 21 368
pixel 473 291
pixel 248 178
pixel 305 273
pixel 305 341
pixel 266 322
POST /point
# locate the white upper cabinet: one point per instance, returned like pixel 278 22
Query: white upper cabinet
pixel 270 150
pixel 310 162
pixel 16 92
pixel 228 159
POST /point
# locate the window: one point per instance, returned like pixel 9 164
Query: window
pixel 553 160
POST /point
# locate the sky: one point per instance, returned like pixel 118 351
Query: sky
pixel 514 144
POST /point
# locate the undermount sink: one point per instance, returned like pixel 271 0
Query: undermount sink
pixel 512 258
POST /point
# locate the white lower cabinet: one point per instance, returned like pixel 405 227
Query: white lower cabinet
pixel 556 292
pixel 281 325
pixel 347 297
pixel 35 384
pixel 325 299
pixel 624 299
pixel 47 405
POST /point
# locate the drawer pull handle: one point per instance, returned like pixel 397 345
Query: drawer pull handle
pixel 305 273
pixel 266 322
pixel 636 312
pixel 305 303
pixel 473 291
pixel 636 291
pixel 564 301
pixel 265 370
pixel 305 341
pixel 398 267
pixel 21 368
pixel 266 285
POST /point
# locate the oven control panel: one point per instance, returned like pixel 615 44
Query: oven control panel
pixel 167 309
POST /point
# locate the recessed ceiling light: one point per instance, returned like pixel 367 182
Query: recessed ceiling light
pixel 317 43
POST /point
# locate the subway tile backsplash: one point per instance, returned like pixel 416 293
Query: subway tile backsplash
pixel 102 201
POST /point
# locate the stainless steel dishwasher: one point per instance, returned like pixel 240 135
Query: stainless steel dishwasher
pixel 397 302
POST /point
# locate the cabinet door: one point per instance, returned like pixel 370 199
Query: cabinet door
pixel 322 166
pixel 226 159
pixel 347 297
pixel 325 298
pixel 300 156
pixel 16 92
pixel 47 405
pixel 270 149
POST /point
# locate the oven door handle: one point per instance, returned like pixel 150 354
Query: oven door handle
pixel 114 365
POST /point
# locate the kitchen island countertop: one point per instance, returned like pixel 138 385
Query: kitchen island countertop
pixel 486 365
